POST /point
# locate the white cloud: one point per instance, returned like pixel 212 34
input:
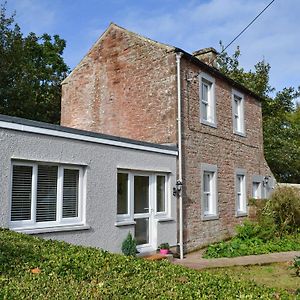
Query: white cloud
pixel 274 36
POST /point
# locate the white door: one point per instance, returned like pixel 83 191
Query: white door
pixel 143 213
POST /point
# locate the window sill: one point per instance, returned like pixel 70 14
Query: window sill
pixel 161 220
pixel 125 223
pixel 241 214
pixel 210 217
pixel 51 229
pixel 242 134
pixel 210 124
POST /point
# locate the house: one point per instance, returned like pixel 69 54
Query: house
pixel 130 86
pixel 85 188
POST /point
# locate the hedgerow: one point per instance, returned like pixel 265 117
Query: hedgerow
pixel 32 268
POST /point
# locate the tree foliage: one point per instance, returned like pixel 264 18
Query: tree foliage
pixel 31 70
pixel 281 117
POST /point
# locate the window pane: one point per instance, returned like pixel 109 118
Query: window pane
pixel 141 194
pixel 122 204
pixel 204 92
pixel 256 186
pixel 142 231
pixel 21 193
pixel 204 111
pixel 70 193
pixel 239 184
pixel 160 193
pixel 206 182
pixel 206 203
pixel 46 193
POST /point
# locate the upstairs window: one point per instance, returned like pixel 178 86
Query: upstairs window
pixel 238 113
pixel 45 195
pixel 207 100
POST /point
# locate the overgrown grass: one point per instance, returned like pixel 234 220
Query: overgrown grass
pixel 72 272
pixel 279 275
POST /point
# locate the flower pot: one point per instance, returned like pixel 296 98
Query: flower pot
pixel 164 251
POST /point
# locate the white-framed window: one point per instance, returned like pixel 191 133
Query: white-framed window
pixel 45 195
pixel 256 190
pixel 209 193
pixel 240 191
pixel 238 112
pixel 158 189
pixel 207 100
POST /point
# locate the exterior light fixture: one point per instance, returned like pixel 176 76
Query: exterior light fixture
pixel 177 189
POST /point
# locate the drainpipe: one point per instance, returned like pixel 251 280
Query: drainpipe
pixel 178 56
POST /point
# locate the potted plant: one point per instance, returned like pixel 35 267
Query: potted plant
pixel 164 248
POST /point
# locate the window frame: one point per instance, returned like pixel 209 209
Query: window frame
pixel 258 179
pixel 239 129
pixel 214 213
pixel 127 219
pixel 211 119
pixel 244 211
pixel 60 221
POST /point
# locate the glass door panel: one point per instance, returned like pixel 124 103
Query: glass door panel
pixel 142 231
pixel 141 194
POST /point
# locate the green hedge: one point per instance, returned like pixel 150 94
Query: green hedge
pixel 74 272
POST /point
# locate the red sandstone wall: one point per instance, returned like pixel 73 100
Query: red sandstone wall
pixel 218 146
pixel 125 87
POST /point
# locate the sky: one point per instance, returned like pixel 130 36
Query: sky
pixel 187 24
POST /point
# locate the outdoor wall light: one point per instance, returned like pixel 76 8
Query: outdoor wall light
pixel 177 189
pixel 266 180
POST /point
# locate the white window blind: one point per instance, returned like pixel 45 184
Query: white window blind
pixel 21 193
pixel 46 193
pixel 70 193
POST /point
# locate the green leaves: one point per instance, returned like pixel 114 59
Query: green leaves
pixel 31 70
pixel 74 272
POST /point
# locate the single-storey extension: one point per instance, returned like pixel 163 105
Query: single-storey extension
pixel 86 188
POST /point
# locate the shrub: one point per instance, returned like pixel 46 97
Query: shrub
pixel 284 208
pixel 296 266
pixel 129 246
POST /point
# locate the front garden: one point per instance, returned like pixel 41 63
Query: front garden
pixel 276 229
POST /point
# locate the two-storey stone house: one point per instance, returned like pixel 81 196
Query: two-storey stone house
pixel 134 87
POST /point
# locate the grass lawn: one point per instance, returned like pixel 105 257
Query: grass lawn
pixel 279 275
pixel 32 268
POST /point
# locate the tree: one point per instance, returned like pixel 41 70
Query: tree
pixel 31 70
pixel 281 118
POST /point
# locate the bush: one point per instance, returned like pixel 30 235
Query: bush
pixel 296 266
pixel 74 272
pixel 284 208
pixel 129 246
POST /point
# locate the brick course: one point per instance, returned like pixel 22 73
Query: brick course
pixel 126 86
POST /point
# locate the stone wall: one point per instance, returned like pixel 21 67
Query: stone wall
pixel 126 86
pixel 221 147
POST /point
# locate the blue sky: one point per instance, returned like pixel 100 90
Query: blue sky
pixel 189 24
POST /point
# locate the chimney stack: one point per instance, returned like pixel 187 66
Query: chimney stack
pixel 207 55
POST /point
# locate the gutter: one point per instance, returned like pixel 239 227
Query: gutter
pixel 217 73
pixel 179 195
